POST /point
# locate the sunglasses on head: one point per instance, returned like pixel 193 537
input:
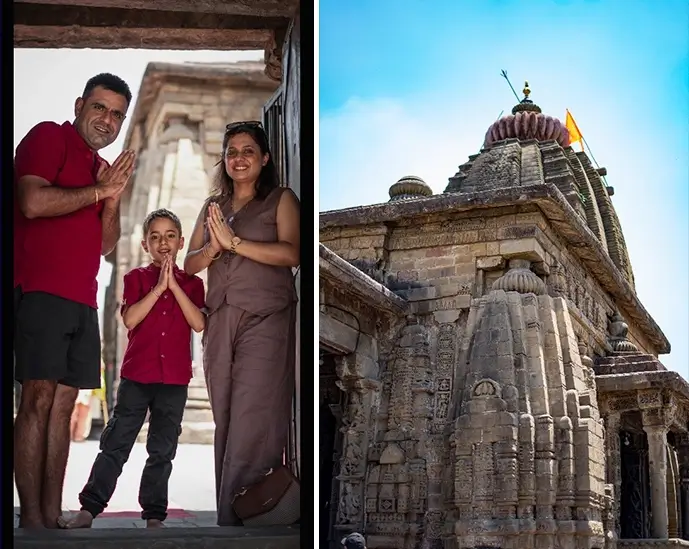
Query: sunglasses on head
pixel 243 124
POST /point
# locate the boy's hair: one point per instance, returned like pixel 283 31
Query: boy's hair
pixel 158 214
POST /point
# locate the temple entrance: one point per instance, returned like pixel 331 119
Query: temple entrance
pixel 635 501
pixel 270 30
pixel 331 407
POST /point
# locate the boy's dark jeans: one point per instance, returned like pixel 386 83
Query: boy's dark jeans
pixel 166 403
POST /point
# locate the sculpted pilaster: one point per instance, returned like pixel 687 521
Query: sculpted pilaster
pixel 614 468
pixel 657 464
pixel 361 394
pixel 683 456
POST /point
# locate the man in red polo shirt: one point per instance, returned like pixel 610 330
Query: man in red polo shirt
pixel 161 304
pixel 67 202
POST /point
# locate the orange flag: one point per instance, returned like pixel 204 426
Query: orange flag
pixel 573 129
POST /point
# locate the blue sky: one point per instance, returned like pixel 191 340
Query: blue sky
pixel 410 88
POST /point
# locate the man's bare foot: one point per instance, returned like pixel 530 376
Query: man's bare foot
pixel 50 517
pixel 51 524
pixel 83 519
pixel 31 523
pixel 154 523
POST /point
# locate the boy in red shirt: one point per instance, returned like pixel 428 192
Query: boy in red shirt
pixel 161 304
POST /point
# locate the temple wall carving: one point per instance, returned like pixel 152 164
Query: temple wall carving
pixel 515 457
pixel 441 264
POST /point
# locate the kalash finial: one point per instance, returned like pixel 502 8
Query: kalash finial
pixel 526 91
pixel 526 104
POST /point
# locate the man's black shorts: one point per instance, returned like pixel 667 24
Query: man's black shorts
pixel 56 339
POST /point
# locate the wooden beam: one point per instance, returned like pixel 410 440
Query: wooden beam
pixel 261 8
pixel 29 36
pixel 69 16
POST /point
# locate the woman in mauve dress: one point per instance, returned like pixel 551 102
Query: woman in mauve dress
pixel 247 236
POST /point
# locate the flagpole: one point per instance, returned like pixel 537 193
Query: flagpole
pixel 585 145
pixel 583 141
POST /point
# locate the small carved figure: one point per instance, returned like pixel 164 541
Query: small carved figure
pixel 484 388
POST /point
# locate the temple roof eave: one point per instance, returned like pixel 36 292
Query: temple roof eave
pixel 556 209
pixel 638 381
pixel 342 273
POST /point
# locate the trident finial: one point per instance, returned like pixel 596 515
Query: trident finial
pixel 526 90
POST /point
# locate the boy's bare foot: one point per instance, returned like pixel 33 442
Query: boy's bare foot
pixel 154 523
pixel 83 519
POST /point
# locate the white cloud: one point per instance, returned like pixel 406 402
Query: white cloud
pixel 366 146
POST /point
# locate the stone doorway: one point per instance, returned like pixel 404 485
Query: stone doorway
pixel 331 407
pixel 179 25
pixel 635 501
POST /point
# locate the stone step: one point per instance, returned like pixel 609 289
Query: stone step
pixel 198 404
pixel 197 393
pixel 192 415
pixel 197 381
pixel 274 537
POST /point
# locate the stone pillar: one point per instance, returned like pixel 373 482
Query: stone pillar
pixel 684 491
pixel 614 472
pixel 657 465
pixel 355 428
pixel 683 455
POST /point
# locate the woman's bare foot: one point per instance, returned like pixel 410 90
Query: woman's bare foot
pixel 154 523
pixel 83 519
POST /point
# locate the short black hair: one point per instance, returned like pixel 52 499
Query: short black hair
pixel 109 82
pixel 158 214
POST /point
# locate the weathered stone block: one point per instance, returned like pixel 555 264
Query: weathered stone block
pixel 526 248
pixel 490 263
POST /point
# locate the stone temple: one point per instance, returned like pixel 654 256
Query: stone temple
pixel 488 375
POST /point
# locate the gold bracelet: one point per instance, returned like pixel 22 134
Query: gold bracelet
pixel 153 291
pixel 208 255
pixel 96 190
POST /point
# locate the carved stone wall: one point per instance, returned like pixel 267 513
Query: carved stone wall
pixel 438 263
pixel 437 465
pixel 359 377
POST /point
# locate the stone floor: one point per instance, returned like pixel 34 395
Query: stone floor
pixel 191 522
pixel 164 538
pixel 177 518
pixel 651 543
pixel 191 489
